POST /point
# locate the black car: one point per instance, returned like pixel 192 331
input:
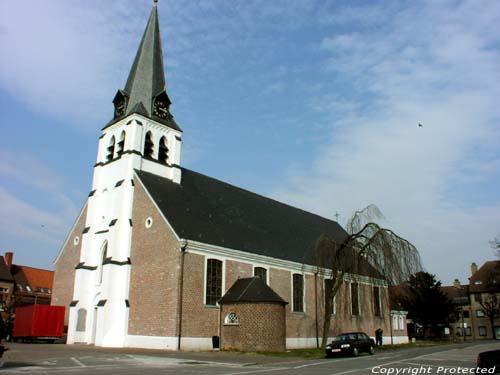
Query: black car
pixel 351 343
pixel 488 360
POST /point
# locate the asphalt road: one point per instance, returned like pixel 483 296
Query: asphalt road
pixel 73 359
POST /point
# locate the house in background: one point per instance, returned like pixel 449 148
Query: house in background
pixel 23 285
pixel 484 286
pixel 459 296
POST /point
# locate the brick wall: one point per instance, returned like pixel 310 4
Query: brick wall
pixel 236 270
pixel 154 278
pixel 344 321
pixel 64 269
pixel 261 327
pixel 198 320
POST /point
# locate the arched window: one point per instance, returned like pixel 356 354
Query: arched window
pixel 213 282
pixel 298 292
pixel 121 144
pixel 104 255
pixel 148 145
pixel 163 151
pixel 81 320
pixel 110 149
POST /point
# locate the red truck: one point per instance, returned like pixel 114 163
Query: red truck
pixel 39 322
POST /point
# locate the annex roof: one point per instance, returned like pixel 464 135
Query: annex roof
pixel 251 289
pixel 210 211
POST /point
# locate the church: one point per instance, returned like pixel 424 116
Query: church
pixel 164 257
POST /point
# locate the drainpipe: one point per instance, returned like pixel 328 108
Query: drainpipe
pixel 181 291
pixel 316 307
pixel 390 324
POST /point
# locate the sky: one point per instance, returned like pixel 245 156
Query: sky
pixel 314 103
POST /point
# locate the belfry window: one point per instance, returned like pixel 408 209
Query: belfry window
pixel 163 151
pixel 148 145
pixel 213 281
pixel 121 144
pixel 111 149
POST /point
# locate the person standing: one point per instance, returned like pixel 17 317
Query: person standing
pixel 378 336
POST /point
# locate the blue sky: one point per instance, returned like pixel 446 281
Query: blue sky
pixel 314 103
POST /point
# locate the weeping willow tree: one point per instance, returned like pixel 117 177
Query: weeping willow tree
pixel 366 249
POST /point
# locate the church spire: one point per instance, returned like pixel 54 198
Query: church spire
pixel 145 90
pixel 146 78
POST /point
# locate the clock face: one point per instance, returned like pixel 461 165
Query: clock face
pixel 160 109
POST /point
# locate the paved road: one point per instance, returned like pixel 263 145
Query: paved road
pixel 85 360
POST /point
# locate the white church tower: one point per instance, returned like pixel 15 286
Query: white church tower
pixel 141 136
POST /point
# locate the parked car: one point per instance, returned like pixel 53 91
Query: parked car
pixel 489 360
pixel 351 343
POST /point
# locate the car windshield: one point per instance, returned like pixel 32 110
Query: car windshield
pixel 344 337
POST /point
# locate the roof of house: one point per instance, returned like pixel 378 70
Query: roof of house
pixel 459 295
pixel 36 278
pixel 210 211
pixel 251 289
pixel 486 278
pixel 5 274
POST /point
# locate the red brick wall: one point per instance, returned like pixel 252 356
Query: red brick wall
pixel 198 320
pixel 154 279
pixel 236 270
pixel 343 321
pixel 64 268
pixel 261 327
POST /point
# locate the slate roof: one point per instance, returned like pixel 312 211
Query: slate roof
pixel 251 289
pixel 146 78
pixel 210 211
pixel 5 274
pixel 486 278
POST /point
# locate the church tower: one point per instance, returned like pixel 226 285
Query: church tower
pixel 142 135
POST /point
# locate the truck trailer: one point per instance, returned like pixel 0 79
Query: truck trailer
pixel 38 322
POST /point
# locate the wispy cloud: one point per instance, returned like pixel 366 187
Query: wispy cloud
pixel 434 64
pixel 32 218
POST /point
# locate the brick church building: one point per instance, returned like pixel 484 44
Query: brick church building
pixel 157 246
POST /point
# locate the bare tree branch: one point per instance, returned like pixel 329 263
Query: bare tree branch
pixel 368 250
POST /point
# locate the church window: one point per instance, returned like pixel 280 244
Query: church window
pixel 376 301
pixel 104 255
pixel 76 240
pixel 148 145
pixel 354 299
pixel 298 292
pixel 81 320
pixel 121 144
pixel 213 282
pixel 148 223
pixel 111 149
pixel 260 272
pixel 163 151
pixel 328 291
pixel 231 319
